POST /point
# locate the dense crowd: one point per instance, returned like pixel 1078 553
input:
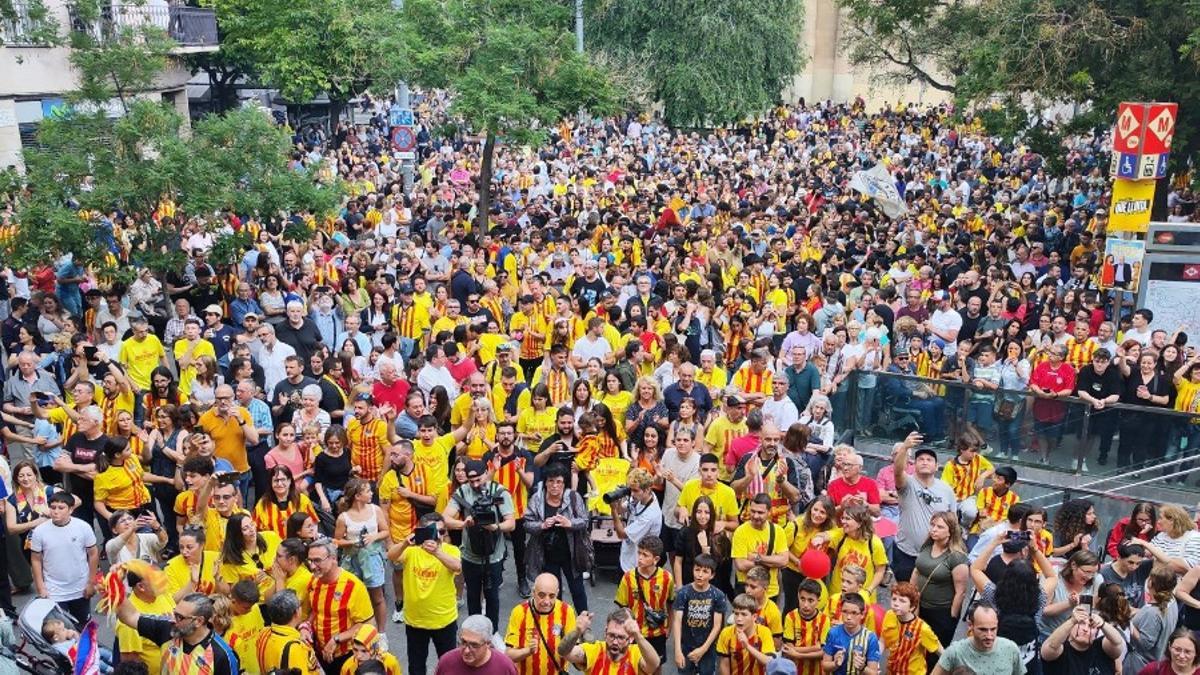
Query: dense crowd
pixel 652 360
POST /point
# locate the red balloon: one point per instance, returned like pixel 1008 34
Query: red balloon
pixel 885 528
pixel 815 564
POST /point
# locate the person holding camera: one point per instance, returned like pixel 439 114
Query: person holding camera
pixel 1084 643
pixel 483 509
pixel 430 564
pixel 557 524
pixel 636 514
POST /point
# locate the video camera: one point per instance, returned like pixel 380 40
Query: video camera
pixel 616 494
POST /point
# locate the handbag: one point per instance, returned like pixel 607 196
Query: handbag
pixel 1006 409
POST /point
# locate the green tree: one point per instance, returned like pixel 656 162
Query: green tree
pixel 511 65
pixel 1028 54
pixel 709 62
pixel 305 48
pixel 87 165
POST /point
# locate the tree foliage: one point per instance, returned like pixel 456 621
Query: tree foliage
pixel 1032 53
pixel 511 65
pixel 305 48
pixel 709 62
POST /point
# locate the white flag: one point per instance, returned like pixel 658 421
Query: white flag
pixel 878 184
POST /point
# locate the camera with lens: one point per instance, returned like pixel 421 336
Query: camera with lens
pixel 616 494
pixel 485 510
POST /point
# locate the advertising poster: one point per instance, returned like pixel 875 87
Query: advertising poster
pixel 1122 264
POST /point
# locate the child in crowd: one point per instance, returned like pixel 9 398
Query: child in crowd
pixel 805 629
pixel 64 639
pixel 966 474
pixel 850 647
pixel 853 578
pixel 909 640
pixel 745 647
pixel 993 501
pixel 647 591
pixel 699 612
pixel 757 580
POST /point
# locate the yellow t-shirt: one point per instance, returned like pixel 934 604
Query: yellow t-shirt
pixel 141 358
pixel 907 643
pixel 717 379
pixel 538 425
pixel 435 460
pixel 249 568
pixel 617 404
pixel 868 555
pixel 274 642
pixel 1186 397
pixel 429 596
pixel 242 637
pixel 179 574
pixel 130 642
pixel 718 437
pixel 299 581
pixel 741 661
pixel 214 527
pixel 723 497
pixel 188 375
pixel 121 487
pixel 747 541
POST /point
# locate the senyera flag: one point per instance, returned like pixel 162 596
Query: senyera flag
pixel 86 652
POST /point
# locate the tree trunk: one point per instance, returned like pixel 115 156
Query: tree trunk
pixel 485 183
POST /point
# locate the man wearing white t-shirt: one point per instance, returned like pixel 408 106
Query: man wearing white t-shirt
pixel 592 345
pixel 676 468
pixel 1141 330
pixel 945 322
pixel 64 558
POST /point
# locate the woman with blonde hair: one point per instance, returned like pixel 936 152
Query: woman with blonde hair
pixel 646 409
pixel 203 392
pixel 481 432
pixel 941 575
pixel 1154 622
pixel 1177 538
pixel 854 542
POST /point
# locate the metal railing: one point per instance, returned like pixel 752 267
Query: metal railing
pixel 26 25
pixel 188 26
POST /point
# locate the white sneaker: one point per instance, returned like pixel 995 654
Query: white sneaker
pixel 587 575
pixel 398 616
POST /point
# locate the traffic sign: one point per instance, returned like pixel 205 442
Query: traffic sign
pixel 1125 165
pixel 1160 127
pixel 403 138
pixel 1147 167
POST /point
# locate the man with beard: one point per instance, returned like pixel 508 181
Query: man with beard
pixel 536 628
pixel 782 479
pixel 188 642
pixel 560 447
pixel 615 655
pixel 512 467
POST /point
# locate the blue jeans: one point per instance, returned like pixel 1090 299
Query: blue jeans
pixel 1010 434
pixel 979 413
pixel 932 415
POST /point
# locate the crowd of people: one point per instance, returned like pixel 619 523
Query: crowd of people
pixel 670 336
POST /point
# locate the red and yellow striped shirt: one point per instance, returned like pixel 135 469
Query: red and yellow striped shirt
pixel 367 443
pixel 992 506
pixel 802 632
pixel 270 516
pixel 907 644
pixel 559 385
pixel 508 473
pixel 750 382
pixel 337 606
pixel 963 477
pixel 526 627
pixel 1079 352
pixel 640 593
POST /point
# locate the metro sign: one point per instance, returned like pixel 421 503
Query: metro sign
pixel 1127 139
pixel 1160 128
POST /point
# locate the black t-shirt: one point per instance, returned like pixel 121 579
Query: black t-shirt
pixel 1099 386
pixel 1073 662
pixel 332 472
pixel 83 451
pixel 554 540
pixel 970 325
pixel 158 631
pixel 293 391
pixel 1159 385
pixel 588 291
pixel 303 339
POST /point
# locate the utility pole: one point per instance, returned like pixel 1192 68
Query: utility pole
pixel 578 25
pixel 401 115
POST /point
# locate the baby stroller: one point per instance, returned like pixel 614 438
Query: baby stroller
pixel 609 474
pixel 33 653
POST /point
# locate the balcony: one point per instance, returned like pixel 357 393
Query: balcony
pixel 193 28
pixel 24 24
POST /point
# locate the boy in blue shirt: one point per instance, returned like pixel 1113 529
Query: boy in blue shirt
pixel 851 649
